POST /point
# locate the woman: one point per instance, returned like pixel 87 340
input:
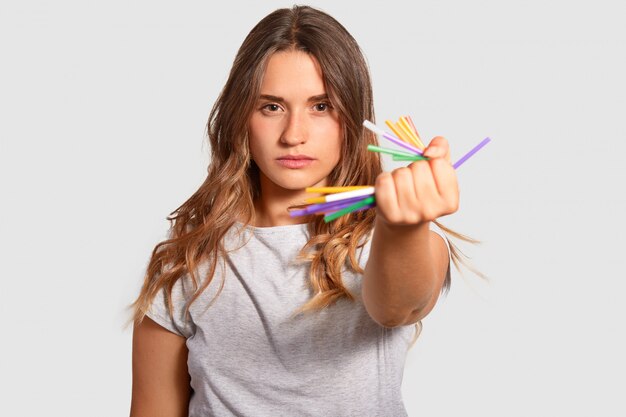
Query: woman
pixel 305 317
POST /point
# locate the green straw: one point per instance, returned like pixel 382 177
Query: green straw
pixel 349 209
pixel 374 148
pixel 410 158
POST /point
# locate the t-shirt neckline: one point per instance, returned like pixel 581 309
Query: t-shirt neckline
pixel 273 229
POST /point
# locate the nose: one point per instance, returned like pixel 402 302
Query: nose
pixel 295 131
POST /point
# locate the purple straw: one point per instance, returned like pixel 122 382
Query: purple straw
pixel 334 205
pixel 470 153
pixel 368 206
pixel 295 213
pixel 331 205
pixel 371 126
pixel 402 143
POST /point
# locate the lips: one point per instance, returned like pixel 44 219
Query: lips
pixel 295 161
pixel 295 157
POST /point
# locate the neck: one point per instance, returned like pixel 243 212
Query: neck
pixel 271 206
pixel 274 212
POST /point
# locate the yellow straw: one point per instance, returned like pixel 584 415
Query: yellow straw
pixel 331 190
pixel 404 122
pixel 341 196
pixel 407 129
pixel 315 200
pixel 405 135
pixel 396 131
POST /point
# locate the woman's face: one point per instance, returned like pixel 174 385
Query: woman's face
pixel 295 134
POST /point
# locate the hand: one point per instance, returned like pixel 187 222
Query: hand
pixel 420 192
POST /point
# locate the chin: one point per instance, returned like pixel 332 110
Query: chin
pixel 296 183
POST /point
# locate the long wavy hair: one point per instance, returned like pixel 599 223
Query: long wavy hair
pixel 232 184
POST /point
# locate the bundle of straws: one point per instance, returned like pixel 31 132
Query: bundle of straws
pixel 340 201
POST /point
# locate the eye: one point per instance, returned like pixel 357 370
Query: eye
pixel 272 108
pixel 323 106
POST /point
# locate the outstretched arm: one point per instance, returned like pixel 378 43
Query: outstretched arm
pixel 408 262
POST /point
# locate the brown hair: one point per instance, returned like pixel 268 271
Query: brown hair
pixel 232 183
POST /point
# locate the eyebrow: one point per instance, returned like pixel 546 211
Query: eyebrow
pixel 282 100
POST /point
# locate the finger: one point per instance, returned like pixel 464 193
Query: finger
pixel 406 192
pixel 438 148
pixel 386 198
pixel 444 176
pixel 424 183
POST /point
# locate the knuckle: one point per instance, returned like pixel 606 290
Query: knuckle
pixel 394 218
pixel 429 214
pixel 455 205
pixel 452 206
pixel 414 218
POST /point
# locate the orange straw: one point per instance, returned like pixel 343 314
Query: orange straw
pixel 410 121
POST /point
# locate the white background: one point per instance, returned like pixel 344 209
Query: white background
pixel 103 110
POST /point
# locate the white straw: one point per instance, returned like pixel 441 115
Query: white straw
pixel 349 194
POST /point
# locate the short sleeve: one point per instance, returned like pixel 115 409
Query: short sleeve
pixel 159 311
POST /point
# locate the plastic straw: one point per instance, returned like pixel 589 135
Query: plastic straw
pixel 410 158
pixel 344 200
pixel 368 206
pixel 404 134
pixel 296 213
pixel 371 126
pixel 341 196
pixel 396 131
pixel 410 121
pixel 331 190
pixel 354 207
pixel 404 126
pixel 374 148
pixel 332 205
pixel 470 153
pixel 325 207
pixel 456 165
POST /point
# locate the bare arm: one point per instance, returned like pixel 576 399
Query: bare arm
pixel 404 274
pixel 408 263
pixel 160 376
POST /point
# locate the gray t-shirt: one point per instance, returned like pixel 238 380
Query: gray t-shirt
pixel 248 357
